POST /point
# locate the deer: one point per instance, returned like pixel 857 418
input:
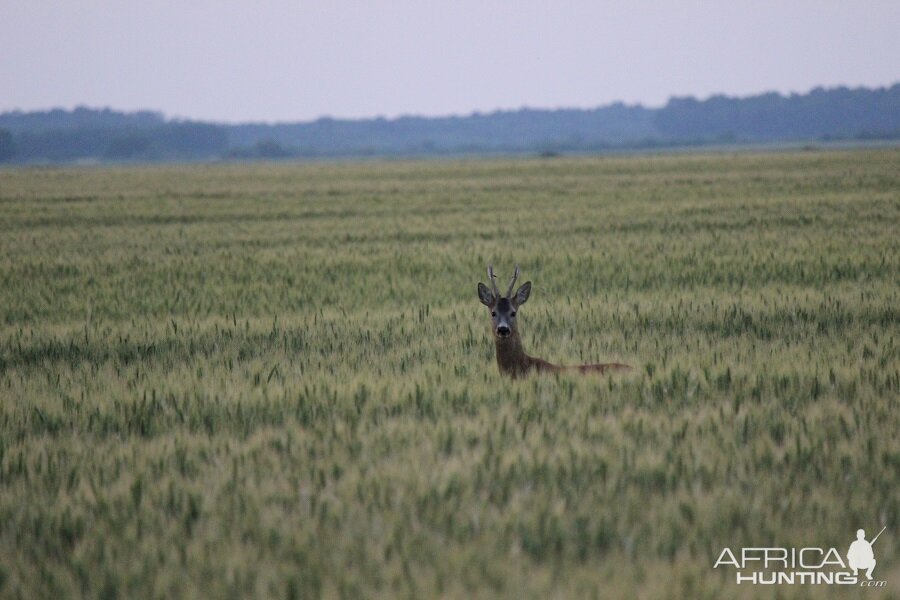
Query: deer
pixel 511 357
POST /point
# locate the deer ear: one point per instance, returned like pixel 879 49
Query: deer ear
pixel 485 295
pixel 522 294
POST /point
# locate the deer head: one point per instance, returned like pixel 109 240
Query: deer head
pixel 503 308
pixel 511 357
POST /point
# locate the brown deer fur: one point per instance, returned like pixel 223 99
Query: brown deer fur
pixel 511 357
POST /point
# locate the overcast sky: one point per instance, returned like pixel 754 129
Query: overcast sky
pixel 280 60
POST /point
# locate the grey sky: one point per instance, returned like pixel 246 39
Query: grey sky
pixel 282 60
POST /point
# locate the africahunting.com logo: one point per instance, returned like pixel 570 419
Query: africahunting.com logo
pixel 816 566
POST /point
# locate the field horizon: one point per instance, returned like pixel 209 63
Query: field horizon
pixel 276 379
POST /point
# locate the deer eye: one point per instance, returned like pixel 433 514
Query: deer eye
pixel 512 314
pixel 493 313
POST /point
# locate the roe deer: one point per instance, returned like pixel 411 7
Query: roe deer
pixel 511 358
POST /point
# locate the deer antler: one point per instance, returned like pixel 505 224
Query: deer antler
pixel 493 280
pixel 512 283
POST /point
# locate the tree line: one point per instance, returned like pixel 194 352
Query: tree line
pixel 107 135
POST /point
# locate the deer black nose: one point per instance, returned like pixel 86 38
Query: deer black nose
pixel 503 331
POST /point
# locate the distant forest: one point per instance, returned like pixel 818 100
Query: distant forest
pixel 90 135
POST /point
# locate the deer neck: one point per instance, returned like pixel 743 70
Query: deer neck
pixel 511 357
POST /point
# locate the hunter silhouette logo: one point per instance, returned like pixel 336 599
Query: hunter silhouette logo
pixel 808 565
pixel 860 555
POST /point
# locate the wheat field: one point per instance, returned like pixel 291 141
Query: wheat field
pixel 275 380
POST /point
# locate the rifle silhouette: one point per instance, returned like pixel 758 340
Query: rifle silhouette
pixel 879 533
